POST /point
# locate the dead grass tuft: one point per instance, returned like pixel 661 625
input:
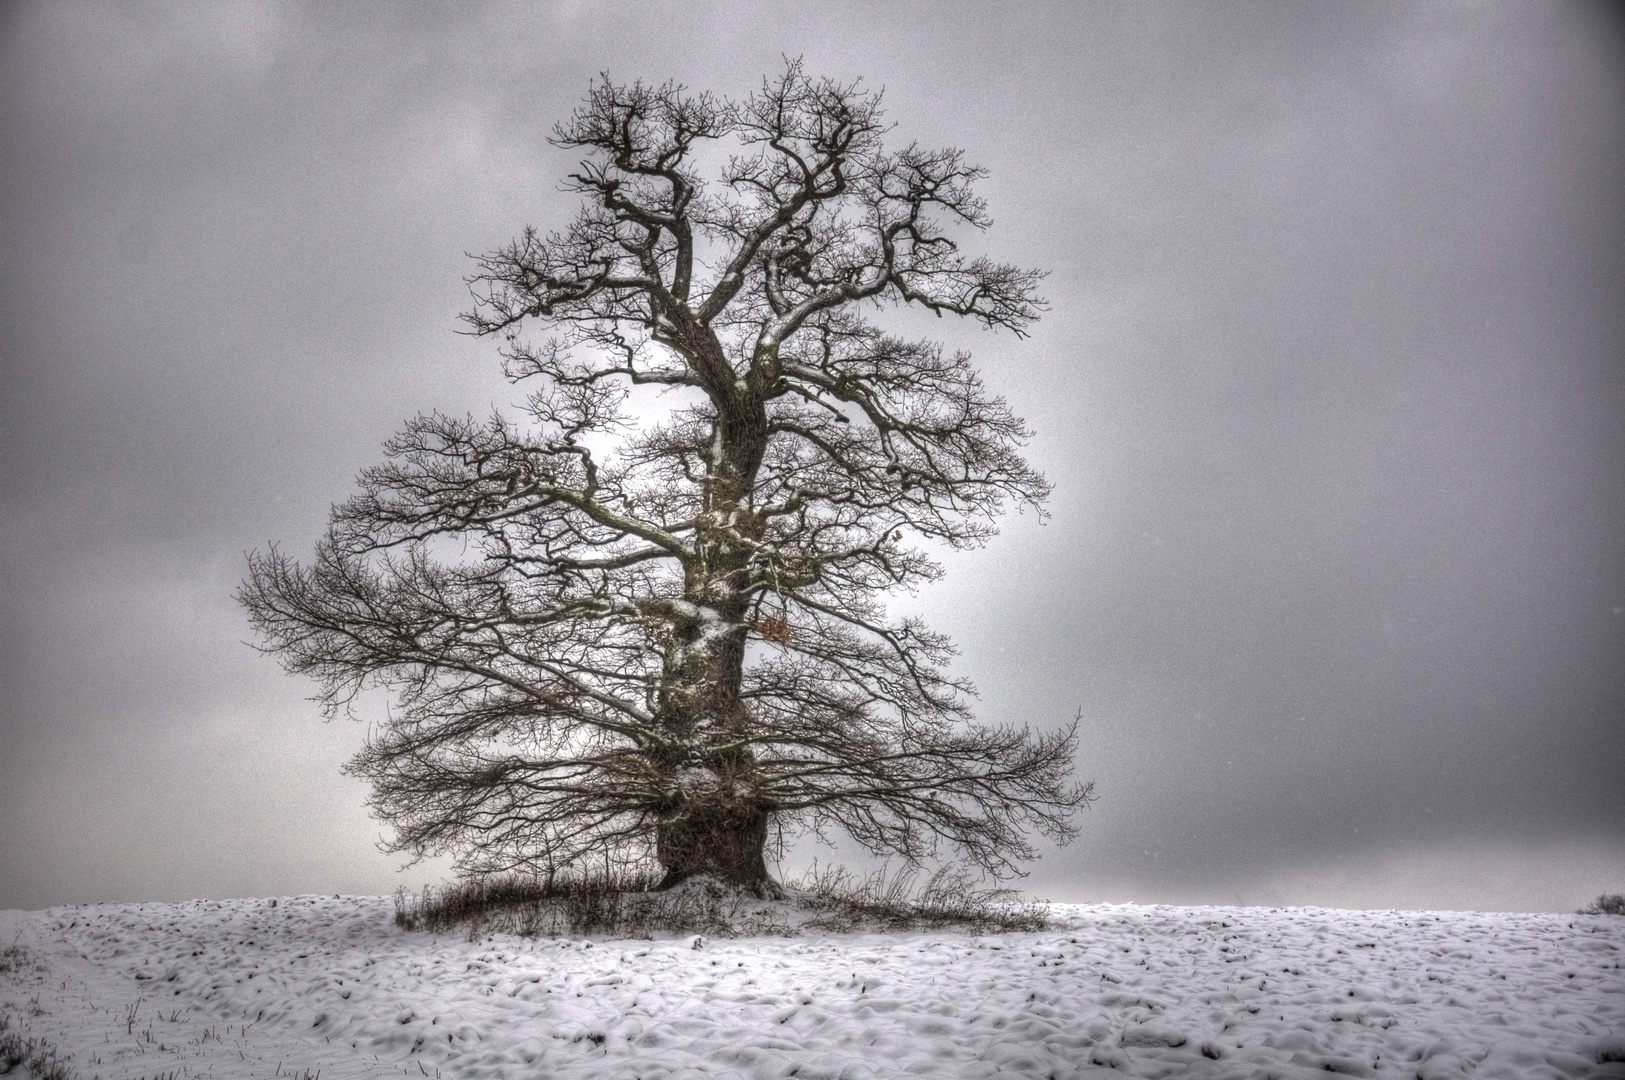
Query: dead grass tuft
pixel 623 904
pixel 951 898
pixel 613 905
pixel 1606 904
pixel 37 1056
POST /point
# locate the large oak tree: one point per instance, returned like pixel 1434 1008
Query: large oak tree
pixel 631 623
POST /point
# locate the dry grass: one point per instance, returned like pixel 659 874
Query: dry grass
pixel 1606 904
pixel 949 899
pixel 37 1056
pixel 623 905
pixel 614 905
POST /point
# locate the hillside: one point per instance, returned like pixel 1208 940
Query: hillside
pixel 263 988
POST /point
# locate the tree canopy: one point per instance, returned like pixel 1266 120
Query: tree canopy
pixel 644 616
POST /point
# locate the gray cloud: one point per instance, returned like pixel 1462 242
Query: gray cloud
pixel 1331 392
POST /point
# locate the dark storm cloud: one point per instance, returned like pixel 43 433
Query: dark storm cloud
pixel 1331 393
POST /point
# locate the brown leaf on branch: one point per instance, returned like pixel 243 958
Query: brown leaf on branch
pixel 774 629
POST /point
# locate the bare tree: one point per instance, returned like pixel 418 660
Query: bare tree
pixel 664 637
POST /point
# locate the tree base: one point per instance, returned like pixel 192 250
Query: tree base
pixel 764 889
pixel 725 842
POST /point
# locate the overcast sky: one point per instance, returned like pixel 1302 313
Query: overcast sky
pixel 1331 392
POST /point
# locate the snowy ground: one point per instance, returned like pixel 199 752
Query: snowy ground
pixel 328 985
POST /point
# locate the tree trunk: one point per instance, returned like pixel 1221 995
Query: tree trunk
pixel 727 840
pixel 721 831
pixel 714 824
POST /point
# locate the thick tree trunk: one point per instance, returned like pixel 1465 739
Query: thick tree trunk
pixel 719 829
pixel 714 824
pixel 727 840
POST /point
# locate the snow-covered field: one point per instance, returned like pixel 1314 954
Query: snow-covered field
pixel 308 985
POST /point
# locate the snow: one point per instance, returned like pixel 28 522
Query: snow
pixel 263 988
